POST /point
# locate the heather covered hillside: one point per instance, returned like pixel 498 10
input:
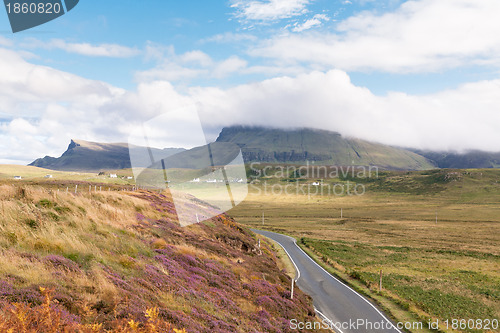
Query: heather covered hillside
pixel 117 261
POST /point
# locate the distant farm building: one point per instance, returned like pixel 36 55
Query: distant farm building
pixel 113 175
pixel 18 177
pixel 48 176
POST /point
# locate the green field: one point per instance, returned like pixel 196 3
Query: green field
pixel 62 179
pixel 434 234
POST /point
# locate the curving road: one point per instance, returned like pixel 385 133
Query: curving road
pixel 343 308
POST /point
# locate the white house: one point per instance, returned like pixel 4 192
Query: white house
pixel 18 177
pixel 113 175
pixel 48 176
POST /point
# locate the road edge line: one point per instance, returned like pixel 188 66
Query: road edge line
pixel 333 327
pixel 344 284
pixel 289 256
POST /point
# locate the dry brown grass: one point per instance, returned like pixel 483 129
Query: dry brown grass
pixel 380 221
pixel 97 250
pixel 40 221
pixel 438 256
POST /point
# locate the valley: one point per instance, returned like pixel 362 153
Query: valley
pixel 433 234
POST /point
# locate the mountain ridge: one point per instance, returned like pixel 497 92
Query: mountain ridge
pixel 471 159
pixel 268 145
pixel 271 145
pixel 84 155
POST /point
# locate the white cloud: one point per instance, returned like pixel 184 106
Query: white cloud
pixel 45 108
pixel 21 126
pixel 196 57
pixel 230 37
pixel 420 36
pixel 171 72
pixel 316 21
pixel 229 66
pixel 269 10
pixel 465 118
pixel 86 49
pixel 39 83
pixel 274 70
pixel 102 50
pixel 5 41
pixel 174 67
pixel 157 52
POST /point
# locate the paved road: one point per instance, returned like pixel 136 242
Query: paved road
pixel 334 301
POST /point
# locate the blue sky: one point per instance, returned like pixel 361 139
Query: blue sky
pixel 408 73
pixel 196 25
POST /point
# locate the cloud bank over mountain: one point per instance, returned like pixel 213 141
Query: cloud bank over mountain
pixel 289 64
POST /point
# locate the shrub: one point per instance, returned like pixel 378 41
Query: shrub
pixel 46 203
pixel 51 317
pixel 33 224
pixel 159 244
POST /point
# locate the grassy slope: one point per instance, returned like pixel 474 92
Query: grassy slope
pixel 115 259
pixel 444 270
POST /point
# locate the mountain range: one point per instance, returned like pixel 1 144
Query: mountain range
pixel 268 145
pixel 474 159
pixel 92 156
pixel 299 146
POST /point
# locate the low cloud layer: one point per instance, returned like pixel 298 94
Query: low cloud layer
pixel 43 108
pixel 461 119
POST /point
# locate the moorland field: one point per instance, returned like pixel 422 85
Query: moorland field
pixel 435 235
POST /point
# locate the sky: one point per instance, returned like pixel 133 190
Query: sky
pixel 422 74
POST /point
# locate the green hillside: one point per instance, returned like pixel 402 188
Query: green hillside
pixel 300 146
pixel 474 159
